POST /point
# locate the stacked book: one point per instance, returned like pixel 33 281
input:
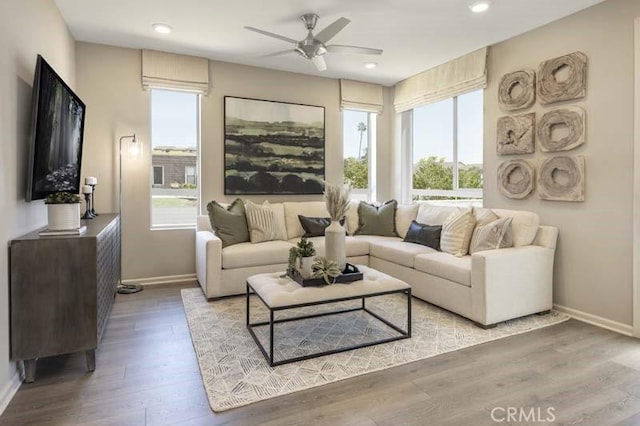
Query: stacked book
pixel 63 232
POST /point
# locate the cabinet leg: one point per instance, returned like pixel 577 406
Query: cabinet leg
pixel 29 370
pixel 91 359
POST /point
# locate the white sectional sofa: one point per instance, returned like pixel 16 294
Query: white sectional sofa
pixel 487 287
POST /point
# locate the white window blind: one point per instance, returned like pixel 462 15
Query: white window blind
pixel 450 79
pixel 161 70
pixel 361 96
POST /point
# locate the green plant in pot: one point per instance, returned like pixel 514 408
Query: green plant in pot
pixel 63 211
pixel 306 254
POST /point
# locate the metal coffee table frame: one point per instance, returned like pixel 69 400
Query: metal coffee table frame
pixel 404 334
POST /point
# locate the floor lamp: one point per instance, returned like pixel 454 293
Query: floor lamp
pixel 134 151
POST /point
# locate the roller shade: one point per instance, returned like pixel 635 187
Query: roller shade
pixel 178 72
pixel 361 96
pixel 453 78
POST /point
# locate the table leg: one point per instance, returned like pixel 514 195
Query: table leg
pixel 90 356
pixel 363 305
pixel 409 312
pixel 247 304
pixel 271 337
pixel 29 370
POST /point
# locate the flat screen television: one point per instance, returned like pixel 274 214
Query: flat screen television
pixel 57 131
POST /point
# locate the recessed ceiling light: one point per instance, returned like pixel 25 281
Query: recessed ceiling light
pixel 370 65
pixel 161 28
pixel 480 6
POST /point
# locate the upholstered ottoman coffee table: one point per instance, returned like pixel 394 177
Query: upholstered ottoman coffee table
pixel 280 294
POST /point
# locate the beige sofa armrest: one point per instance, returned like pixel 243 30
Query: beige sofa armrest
pixel 209 262
pixel 510 283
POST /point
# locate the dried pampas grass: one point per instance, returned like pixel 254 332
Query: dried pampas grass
pixel 337 199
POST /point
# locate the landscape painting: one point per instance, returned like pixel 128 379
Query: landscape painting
pixel 273 147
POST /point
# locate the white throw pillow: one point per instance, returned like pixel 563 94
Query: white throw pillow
pixel 261 222
pixel 494 235
pixel 457 231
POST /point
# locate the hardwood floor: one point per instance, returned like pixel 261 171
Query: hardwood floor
pixel 147 374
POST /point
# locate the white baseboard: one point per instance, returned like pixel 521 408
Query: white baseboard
pixel 169 279
pixel 9 390
pixel 616 326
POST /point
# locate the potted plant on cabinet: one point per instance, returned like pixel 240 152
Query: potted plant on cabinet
pixel 63 211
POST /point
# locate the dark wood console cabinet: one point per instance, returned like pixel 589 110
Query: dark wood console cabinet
pixel 62 290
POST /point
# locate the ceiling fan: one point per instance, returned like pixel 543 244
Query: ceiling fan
pixel 313 47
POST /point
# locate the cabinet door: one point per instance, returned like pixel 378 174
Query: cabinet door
pixel 53 297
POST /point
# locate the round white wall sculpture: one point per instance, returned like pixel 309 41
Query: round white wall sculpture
pixel 561 178
pixel 524 82
pixel 516 179
pixel 551 88
pixel 572 118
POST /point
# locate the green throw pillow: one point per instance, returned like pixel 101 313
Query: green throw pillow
pixel 230 224
pixel 377 220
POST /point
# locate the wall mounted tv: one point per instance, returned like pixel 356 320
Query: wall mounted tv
pixel 57 131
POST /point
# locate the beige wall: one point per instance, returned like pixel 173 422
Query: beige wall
pixel 593 271
pixel 27 27
pixel 109 83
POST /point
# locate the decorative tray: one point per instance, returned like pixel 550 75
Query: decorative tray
pixel 350 274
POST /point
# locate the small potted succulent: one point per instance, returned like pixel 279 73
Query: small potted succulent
pixel 63 211
pixel 326 269
pixel 306 253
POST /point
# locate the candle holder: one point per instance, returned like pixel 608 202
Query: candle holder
pixel 93 192
pixel 87 213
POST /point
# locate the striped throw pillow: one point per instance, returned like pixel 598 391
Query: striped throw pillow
pixel 494 235
pixel 456 232
pixel 261 222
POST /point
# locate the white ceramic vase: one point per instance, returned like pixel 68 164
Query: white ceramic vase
pixel 63 216
pixel 306 266
pixel 334 242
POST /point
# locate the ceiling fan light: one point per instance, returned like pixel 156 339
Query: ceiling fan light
pixel 370 65
pixel 480 6
pixel 161 28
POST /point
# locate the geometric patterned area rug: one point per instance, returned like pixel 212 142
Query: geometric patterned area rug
pixel 235 373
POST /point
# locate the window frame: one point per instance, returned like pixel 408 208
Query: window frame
pixel 407 139
pixel 161 227
pixel 195 174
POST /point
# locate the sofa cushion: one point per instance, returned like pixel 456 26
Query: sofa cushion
pixel 446 266
pixel 377 220
pixel 354 246
pixel 493 235
pixel 425 235
pixel 405 214
pixel 261 222
pixel 525 225
pixel 229 223
pixel 246 254
pixel 457 231
pixel 352 217
pixel 315 226
pixel 434 215
pixel 398 251
pixel 308 208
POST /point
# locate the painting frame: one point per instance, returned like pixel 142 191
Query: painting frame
pixel 282 155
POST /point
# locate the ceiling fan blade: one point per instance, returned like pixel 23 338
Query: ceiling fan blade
pixel 319 62
pixel 329 32
pixel 337 48
pixel 268 34
pixel 282 52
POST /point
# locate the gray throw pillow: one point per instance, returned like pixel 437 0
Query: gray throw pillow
pixel 377 220
pixel 230 224
pixel 425 235
pixel 494 235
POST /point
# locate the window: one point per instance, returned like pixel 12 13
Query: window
pixel 446 150
pixel 358 141
pixel 158 175
pixel 190 175
pixel 175 132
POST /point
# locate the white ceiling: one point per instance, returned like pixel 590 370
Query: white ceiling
pixel 415 34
